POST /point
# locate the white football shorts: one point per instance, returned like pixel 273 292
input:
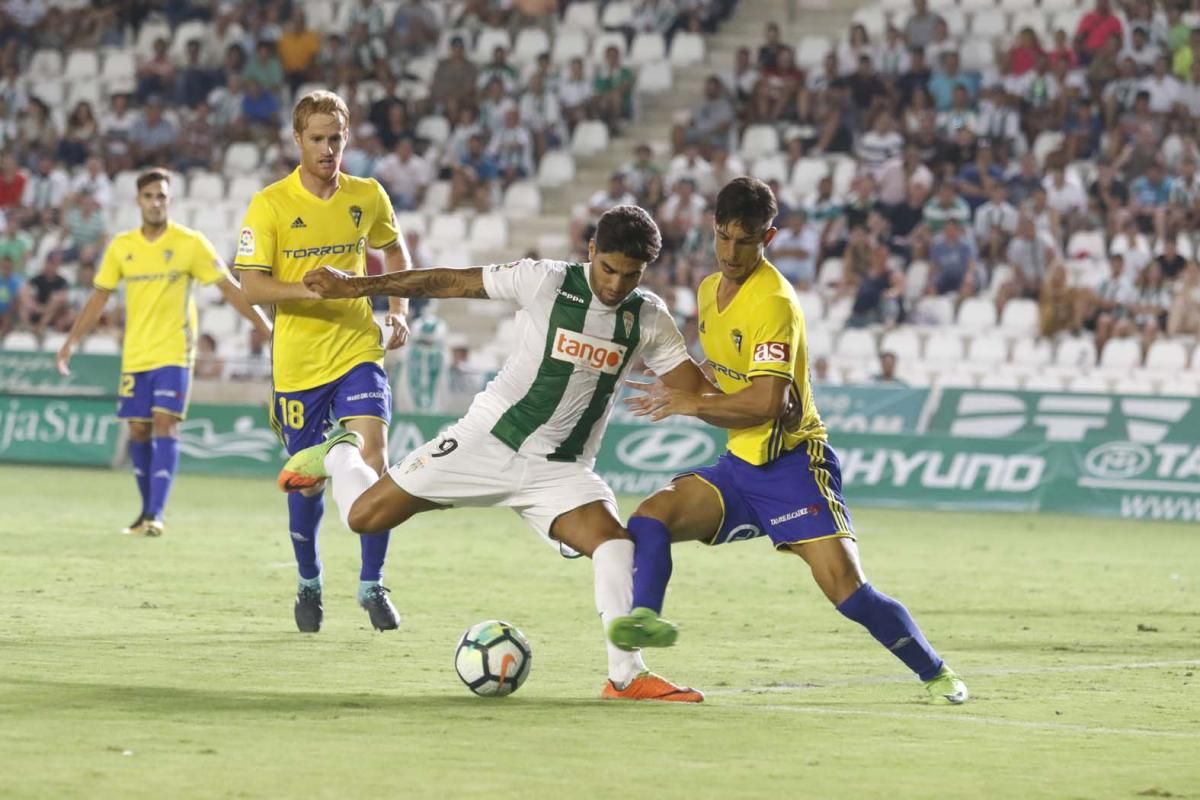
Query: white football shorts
pixel 465 466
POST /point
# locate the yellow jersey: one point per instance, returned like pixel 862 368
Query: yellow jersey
pixel 760 332
pixel 287 232
pixel 160 311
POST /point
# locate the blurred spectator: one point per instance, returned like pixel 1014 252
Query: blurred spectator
pixel 499 69
pixel 947 78
pixel 1096 28
pixel 12 182
pixel 894 56
pixel 691 164
pixel 16 243
pixel 473 175
pixel 511 148
pixel 298 48
pixel 1163 88
pixel 820 369
pixel 741 80
pixel 45 191
pixel 209 365
pixel 455 79
pixel 44 306
pixel 712 120
pixel 575 93
pixel 195 79
pixel 879 144
pixel 1025 52
pixel 1185 56
pixel 974 177
pixel 616 194
pixel 1152 303
pixel 541 115
pixel 851 49
pixel 156 74
pixel 395 125
pixel 952 259
pixel 1059 306
pixel 416 25
pixel 794 250
pixel 640 170
pixel 1169 261
pixel 1109 310
pixel 260 110
pixel 10 296
pixel 404 175
pixel 879 298
pixel 920 25
pixel 80 133
pixel 768 52
pixel 363 152
pixel 1030 257
pixel 154 138
pixel 494 106
pixel 887 370
pixel 681 213
pixel 916 78
pixel 995 223
pixel 1025 181
pixel 1182 320
pixel 1149 195
pixel 83 225
pixel 612 87
pixel 945 206
pixel 197 140
pixel 264 69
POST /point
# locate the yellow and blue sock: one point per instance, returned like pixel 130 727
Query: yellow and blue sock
pixel 140 454
pixel 651 562
pixel 893 627
pixel 164 461
pixel 304 519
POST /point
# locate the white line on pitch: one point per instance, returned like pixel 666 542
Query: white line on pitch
pixel 880 679
pixel 954 716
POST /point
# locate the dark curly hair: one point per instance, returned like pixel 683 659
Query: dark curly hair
pixel 630 231
pixel 747 201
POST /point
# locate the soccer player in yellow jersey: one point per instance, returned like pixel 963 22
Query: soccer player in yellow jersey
pixel 159 263
pixel 779 478
pixel 327 355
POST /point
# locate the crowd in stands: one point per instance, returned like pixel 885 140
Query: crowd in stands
pixel 921 169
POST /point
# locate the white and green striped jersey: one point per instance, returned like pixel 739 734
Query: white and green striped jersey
pixel 555 392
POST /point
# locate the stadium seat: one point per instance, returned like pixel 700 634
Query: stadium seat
pixel 977 314
pixel 987 350
pixel 1123 353
pixel 530 43
pixel 80 90
pixel 812 50
pixel 1180 386
pixel 557 168
pixel 242 188
pixel 772 167
pixel 1031 352
pixel 488 232
pixel 82 65
pixel 1043 382
pixel 591 137
pixel 1075 352
pixel 838 311
pixel 1045 144
pixel 989 24
pixel 1067 19
pixel 820 341
pixel 489 39
pixel 904 342
pixel 53 92
pixel 1028 18
pixel 434 128
pixel 655 77
pixel 872 18
pixel 447 230
pixel 191 29
pixel 647 47
pixel 856 344
pixel 954 379
pixel 935 310
pixel 617 14
pixel 603 42
pixel 411 221
pixel 1020 317
pixel 46 64
pixel 220 321
pixel 522 199
pixel 153 29
pixel 1092 383
pixel 807 173
pixel 437 197
pixel 813 306
pixel 944 348
pixel 206 186
pixel 569 43
pixel 830 273
pixel 978 55
pixel 101 345
pixel 321 14
pixel 1086 244
pixel 1167 355
pixel 999 379
pixel 19 341
pixel 553 243
pixel 759 141
pixel 583 15
pixel 1129 384
pixel 687 49
pixel 240 158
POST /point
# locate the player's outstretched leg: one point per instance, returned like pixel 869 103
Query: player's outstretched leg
pixel 835 566
pixel 304 521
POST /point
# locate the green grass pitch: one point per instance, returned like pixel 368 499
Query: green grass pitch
pixel 134 668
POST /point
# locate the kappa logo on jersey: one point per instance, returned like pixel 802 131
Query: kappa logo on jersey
pixel 588 351
pixel 298 223
pixel 246 242
pixel 772 352
pixel 572 297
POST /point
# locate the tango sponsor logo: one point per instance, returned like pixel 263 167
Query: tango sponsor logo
pixel 588 351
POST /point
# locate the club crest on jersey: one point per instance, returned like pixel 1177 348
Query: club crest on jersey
pixel 356 215
pixel 772 352
pixel 702 326
pixel 737 339
pixel 599 355
pixel 167 254
pixel 627 321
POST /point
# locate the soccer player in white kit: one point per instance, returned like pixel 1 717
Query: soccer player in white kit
pixel 529 440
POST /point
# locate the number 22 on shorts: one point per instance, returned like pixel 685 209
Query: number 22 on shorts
pixel 292 413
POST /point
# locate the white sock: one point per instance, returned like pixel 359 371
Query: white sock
pixel 351 477
pixel 612 562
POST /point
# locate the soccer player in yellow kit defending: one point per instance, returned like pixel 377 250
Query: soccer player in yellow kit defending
pixel 159 261
pixel 327 355
pixel 779 478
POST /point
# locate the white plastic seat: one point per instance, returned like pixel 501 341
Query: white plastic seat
pixel 530 43
pixel 1180 386
pixel 647 47
pixel 582 15
pixel 240 158
pixel 411 221
pixel 617 13
pixel 522 199
pixel 1124 353
pixel 1020 317
pixel 873 19
pixel 1031 352
pixel 856 344
pixel 769 168
pixel 556 168
pixel 437 197
pixel 1167 355
pixel 20 341
pixel 904 342
pixel 977 314
pixel 45 64
pixel 989 24
pixel 759 141
pixel 1092 383
pixel 489 39
pixel 1075 352
pixel 831 272
pixel 687 49
pixel 807 173
pixel 591 137
pixel 435 128
pixel 1000 379
pixel 812 50
pixel 242 189
pixel 447 230
pixel 813 306
pixel 944 348
pixel 820 341
pixel 82 65
pixel 987 350
pixel 935 310
pixel 489 232
pixel 604 41
pixel 655 77
pixel 1043 382
pixel 1086 244
pixel 207 186
pixel 569 43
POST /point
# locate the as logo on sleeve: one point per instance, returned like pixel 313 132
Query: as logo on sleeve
pixel 246 242
pixel 772 352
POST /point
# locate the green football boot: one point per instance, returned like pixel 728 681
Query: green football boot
pixel 307 468
pixel 642 628
pixel 947 688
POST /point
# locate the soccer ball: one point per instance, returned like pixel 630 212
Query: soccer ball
pixel 493 658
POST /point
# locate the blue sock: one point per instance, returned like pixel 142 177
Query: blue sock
pixel 163 462
pixel 304 518
pixel 374 551
pixel 893 627
pixel 140 454
pixel 651 562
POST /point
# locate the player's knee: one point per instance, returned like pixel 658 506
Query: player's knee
pixel 361 518
pixel 140 431
pixel 166 426
pixel 657 507
pixel 375 458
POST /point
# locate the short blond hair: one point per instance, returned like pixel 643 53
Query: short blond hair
pixel 319 102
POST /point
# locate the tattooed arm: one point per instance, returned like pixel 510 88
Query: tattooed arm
pixel 332 284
